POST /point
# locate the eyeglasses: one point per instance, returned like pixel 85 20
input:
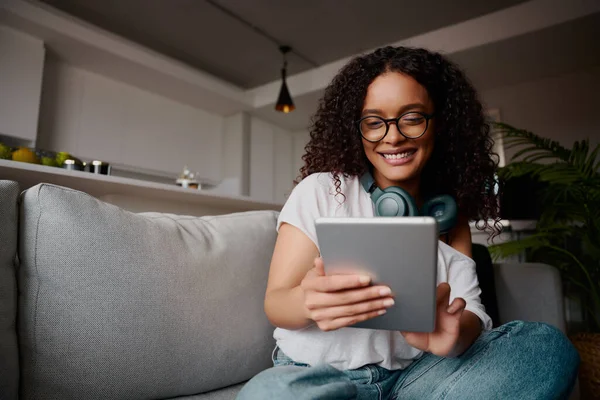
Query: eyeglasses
pixel 411 125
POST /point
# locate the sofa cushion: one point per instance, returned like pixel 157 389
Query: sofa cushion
pixel 9 356
pixel 118 305
pixel 228 393
pixel 530 292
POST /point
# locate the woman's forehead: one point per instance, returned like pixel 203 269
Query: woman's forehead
pixel 393 90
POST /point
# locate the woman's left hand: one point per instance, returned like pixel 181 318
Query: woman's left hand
pixel 446 334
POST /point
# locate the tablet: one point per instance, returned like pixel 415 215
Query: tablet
pixel 400 252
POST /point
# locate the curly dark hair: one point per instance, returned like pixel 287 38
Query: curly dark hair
pixel 462 163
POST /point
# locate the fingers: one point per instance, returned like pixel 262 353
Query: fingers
pixel 443 298
pixel 318 280
pixel 314 300
pixel 330 325
pixel 418 340
pixel 318 269
pixel 319 266
pixel 340 309
pixel 331 313
pixel 337 301
pixel 334 283
pixel 457 306
pixel 443 294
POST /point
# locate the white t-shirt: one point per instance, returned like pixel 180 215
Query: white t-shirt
pixel 351 348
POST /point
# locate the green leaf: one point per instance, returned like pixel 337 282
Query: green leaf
pixel 536 157
pixel 511 248
pixel 568 231
pixel 522 136
pixel 590 163
pixel 526 150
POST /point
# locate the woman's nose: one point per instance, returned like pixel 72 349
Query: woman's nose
pixel 393 136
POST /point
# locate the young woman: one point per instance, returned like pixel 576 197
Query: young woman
pixel 407 118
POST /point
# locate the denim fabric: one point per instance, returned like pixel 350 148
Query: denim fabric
pixel 518 360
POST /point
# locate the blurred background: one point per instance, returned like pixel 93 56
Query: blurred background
pixel 204 106
pixel 152 86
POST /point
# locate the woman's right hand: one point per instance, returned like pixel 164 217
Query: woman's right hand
pixel 337 301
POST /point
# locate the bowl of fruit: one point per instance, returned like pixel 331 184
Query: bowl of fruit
pixel 39 156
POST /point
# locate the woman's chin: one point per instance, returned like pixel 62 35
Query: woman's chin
pixel 397 174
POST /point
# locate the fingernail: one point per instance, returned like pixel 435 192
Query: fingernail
pixel 388 302
pixel 385 291
pixel 381 312
pixel 364 279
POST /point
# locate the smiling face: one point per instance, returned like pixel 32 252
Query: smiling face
pixel 398 161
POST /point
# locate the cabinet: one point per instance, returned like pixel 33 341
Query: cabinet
pixel 103 109
pixel 283 179
pixel 144 141
pixel 21 70
pixel 271 154
pixel 60 108
pixel 262 154
pixel 95 117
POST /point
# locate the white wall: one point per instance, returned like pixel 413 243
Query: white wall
pixel 564 108
pixel 235 162
pixel 257 159
pixel 21 65
pixel 271 147
pixel 300 139
pixel 94 117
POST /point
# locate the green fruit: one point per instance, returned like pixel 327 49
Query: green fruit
pixel 5 152
pixel 61 157
pixel 49 161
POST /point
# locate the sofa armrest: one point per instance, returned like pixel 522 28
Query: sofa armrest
pixel 529 292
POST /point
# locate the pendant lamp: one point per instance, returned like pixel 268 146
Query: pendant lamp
pixel 284 101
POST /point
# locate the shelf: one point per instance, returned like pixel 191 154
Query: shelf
pixel 513 225
pixel 101 186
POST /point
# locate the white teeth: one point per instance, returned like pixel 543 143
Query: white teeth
pixel 399 155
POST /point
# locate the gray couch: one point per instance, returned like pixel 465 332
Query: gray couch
pixel 100 303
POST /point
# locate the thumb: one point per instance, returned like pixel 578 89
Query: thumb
pixel 319 266
pixel 443 294
pixel 457 307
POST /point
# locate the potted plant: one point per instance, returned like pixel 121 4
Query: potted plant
pixel 567 235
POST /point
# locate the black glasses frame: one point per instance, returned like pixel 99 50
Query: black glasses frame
pixel 396 121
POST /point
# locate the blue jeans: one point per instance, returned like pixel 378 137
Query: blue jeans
pixel 518 360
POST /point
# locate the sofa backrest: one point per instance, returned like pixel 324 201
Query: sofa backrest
pixel 115 305
pixel 9 356
pixel 530 292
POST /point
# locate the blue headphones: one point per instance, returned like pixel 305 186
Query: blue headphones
pixel 396 202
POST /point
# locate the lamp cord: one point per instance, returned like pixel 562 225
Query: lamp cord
pixel 258 30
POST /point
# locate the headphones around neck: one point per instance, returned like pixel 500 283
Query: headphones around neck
pixel 396 202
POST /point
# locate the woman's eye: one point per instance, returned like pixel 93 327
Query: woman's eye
pixel 374 125
pixel 413 120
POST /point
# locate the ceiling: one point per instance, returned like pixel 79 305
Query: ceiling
pixel 556 50
pixel 210 35
pixel 531 41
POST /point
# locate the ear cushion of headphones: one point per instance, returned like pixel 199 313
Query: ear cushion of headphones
pixel 394 202
pixel 444 210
